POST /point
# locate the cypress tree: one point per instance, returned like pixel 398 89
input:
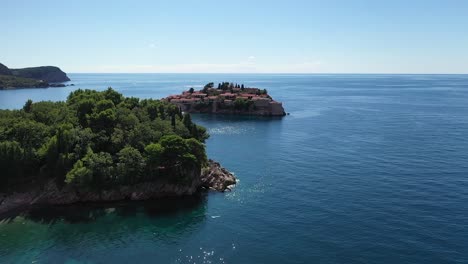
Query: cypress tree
pixel 173 122
pixel 187 121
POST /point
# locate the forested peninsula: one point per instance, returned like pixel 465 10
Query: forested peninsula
pixel 32 77
pixel 102 146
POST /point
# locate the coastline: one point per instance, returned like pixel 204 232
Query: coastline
pixel 214 177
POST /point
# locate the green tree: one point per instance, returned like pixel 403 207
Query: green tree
pixel 130 166
pixel 84 108
pixel 111 94
pixel 187 120
pixel 154 154
pixel 208 86
pixel 28 106
pixel 11 163
pixel 103 120
pixel 173 121
pixel 198 150
pixel 152 109
pixel 95 140
pixel 103 105
pixel 93 171
pixel 28 133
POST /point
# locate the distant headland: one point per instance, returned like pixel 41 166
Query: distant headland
pixel 228 98
pixel 33 77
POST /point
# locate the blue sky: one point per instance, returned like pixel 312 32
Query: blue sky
pixel 354 36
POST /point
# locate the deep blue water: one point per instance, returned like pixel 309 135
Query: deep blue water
pixel 365 169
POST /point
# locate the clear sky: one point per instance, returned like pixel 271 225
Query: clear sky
pixel 348 36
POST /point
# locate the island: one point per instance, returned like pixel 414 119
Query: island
pixel 102 146
pixel 227 98
pixel 33 77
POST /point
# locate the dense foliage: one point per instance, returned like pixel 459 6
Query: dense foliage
pixel 98 140
pixel 10 81
pixel 45 73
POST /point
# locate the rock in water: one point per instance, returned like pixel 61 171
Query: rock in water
pixel 216 177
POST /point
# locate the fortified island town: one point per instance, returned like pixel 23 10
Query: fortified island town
pixel 228 98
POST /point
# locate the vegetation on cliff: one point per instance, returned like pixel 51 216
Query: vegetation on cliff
pixel 45 73
pixel 10 81
pixel 98 140
pixel 33 77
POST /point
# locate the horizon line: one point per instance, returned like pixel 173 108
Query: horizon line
pixel 274 73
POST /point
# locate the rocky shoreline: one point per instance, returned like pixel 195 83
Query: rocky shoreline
pixel 214 177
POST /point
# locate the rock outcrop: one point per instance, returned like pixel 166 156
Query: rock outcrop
pixel 214 177
pixel 217 178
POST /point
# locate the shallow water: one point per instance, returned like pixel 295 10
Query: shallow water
pixel 365 169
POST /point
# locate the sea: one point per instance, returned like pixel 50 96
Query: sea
pixel 363 169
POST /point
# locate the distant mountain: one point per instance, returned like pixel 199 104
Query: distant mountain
pixel 32 77
pixel 45 73
pixel 4 70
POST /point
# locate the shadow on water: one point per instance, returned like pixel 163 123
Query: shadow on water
pixel 101 225
pixel 89 212
pixel 235 118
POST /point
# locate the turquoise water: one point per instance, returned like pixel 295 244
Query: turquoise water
pixel 365 169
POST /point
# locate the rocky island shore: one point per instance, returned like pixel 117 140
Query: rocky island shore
pixel 228 98
pixel 213 177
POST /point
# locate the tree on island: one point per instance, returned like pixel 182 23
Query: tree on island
pixel 27 106
pixel 173 121
pixel 187 120
pixel 97 140
pixel 208 86
pixel 191 90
